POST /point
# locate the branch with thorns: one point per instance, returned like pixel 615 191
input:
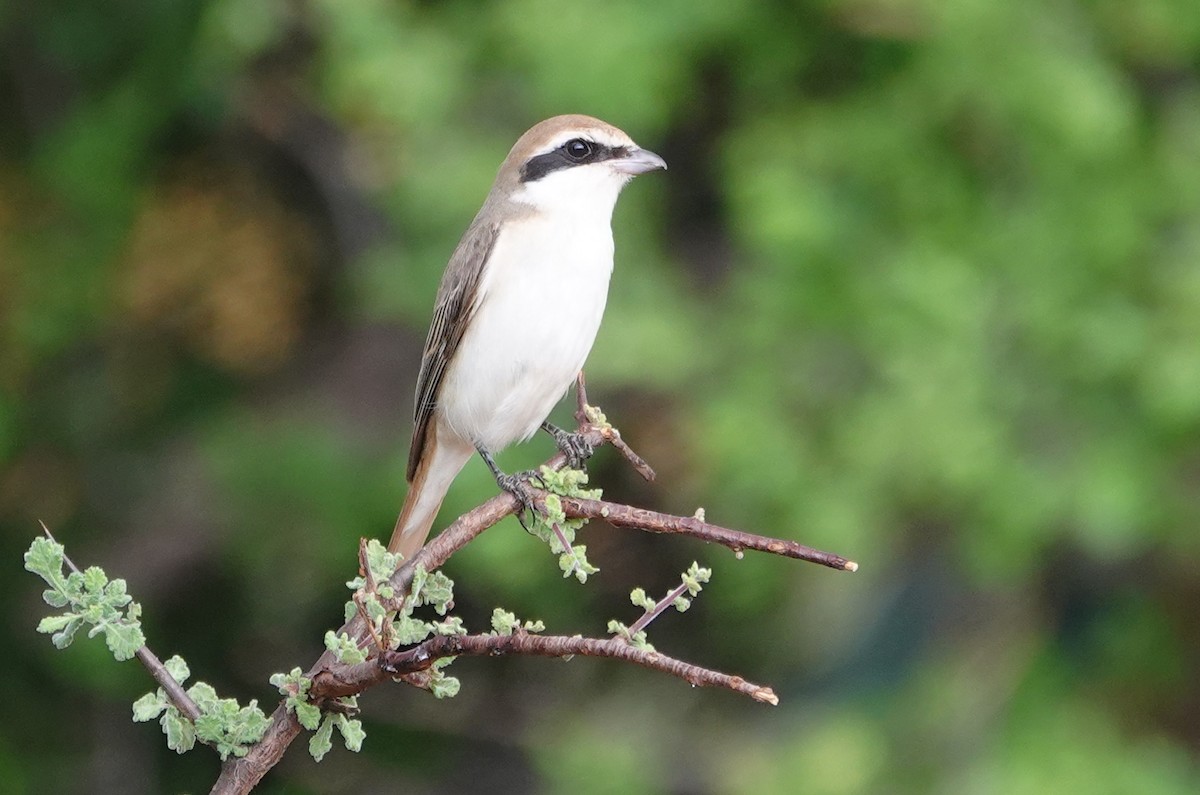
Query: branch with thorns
pixel 332 679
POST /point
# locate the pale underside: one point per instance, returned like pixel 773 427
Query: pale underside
pixel 538 309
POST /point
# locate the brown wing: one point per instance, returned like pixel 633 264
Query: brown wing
pixel 456 302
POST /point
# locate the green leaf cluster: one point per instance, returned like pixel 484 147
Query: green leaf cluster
pixel 506 623
pixel 555 528
pixel 350 728
pixel 433 589
pixel 225 725
pixel 295 686
pixel 344 648
pixel 381 565
pixel 635 639
pixel 91 600
pixel 692 583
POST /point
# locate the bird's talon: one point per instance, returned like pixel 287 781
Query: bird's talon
pixel 519 486
pixel 574 446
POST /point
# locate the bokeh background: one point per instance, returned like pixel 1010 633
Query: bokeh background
pixel 922 287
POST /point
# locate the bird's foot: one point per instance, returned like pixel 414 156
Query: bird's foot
pixel 574 446
pixel 519 485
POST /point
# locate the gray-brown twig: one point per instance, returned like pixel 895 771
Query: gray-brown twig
pixel 425 654
pixel 620 515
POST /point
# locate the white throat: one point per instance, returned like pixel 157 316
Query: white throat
pixel 583 192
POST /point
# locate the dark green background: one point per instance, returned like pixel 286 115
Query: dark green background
pixel 921 287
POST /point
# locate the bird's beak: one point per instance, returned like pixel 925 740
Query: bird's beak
pixel 639 161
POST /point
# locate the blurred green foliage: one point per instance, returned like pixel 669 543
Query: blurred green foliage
pixel 921 287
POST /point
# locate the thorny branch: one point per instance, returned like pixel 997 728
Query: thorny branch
pixel 332 679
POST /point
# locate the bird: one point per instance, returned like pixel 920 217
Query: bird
pixel 518 308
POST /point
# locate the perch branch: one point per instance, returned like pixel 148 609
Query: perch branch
pixel 332 679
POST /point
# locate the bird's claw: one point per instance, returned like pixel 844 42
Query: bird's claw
pixel 520 485
pixel 574 446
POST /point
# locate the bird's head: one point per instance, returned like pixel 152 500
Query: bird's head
pixel 573 163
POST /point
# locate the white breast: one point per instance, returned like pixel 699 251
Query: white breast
pixel 539 307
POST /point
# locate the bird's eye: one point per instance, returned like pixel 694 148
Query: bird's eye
pixel 577 149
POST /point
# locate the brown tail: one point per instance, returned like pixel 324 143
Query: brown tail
pixel 440 463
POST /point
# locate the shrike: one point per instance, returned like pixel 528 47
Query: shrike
pixel 518 307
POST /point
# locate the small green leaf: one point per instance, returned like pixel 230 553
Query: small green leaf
pixel 352 732
pixel 123 639
pixel 94 579
pixel 503 622
pixel 695 576
pixel 149 706
pixel 55 598
pixel 295 685
pixel 506 623
pixel 568 482
pixel 294 682
pixel 51 624
pixel 640 599
pixel 116 593
pixel 383 564
pixel 320 743
pixel 181 734
pixel 309 715
pixel 596 417
pixel 177 667
pixel 63 638
pixel 232 729
pixel 72 587
pixel 437 589
pixel 576 562
pixel 638 641
pixel 204 695
pixel 408 630
pixel 443 686
pixel 420 575
pixel 450 626
pixel 45 558
pixel 344 648
pixel 375 610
